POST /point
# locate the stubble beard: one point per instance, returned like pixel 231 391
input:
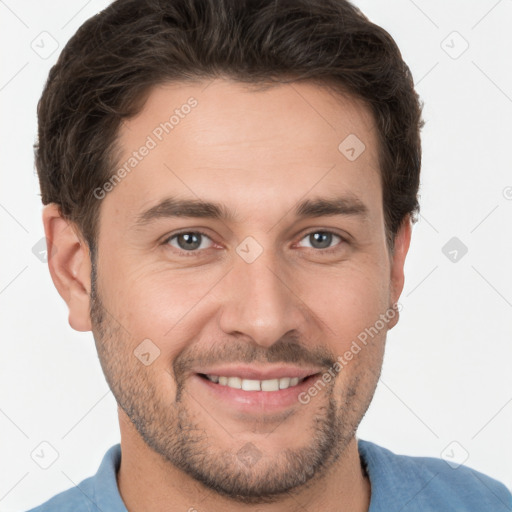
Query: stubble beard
pixel 172 431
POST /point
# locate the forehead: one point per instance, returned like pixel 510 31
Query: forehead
pixel 249 145
pixel 225 112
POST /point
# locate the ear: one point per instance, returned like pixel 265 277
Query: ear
pixel 397 278
pixel 70 265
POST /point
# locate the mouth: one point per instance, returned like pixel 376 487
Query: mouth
pixel 270 385
pixel 251 391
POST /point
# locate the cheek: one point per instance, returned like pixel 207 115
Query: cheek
pixel 348 301
pixel 158 304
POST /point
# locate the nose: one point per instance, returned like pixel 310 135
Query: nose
pixel 260 302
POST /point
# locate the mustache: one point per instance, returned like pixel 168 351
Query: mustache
pixel 288 350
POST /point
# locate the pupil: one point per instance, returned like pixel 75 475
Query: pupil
pixel 189 238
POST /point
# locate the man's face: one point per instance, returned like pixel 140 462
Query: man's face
pixel 264 294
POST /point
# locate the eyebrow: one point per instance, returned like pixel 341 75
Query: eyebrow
pixel 169 207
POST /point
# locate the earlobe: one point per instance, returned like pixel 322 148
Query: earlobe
pixel 401 247
pixel 69 264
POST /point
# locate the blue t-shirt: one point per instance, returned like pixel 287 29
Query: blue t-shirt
pixel 399 483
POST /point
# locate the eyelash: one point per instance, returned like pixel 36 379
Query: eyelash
pixel 197 252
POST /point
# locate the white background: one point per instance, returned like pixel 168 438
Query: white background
pixel 447 372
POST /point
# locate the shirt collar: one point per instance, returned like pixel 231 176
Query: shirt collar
pixel 106 491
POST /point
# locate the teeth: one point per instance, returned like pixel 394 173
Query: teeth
pixel 284 383
pixel 235 382
pixel 250 385
pixel 255 385
pixel 270 385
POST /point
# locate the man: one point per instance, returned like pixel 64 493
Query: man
pixel 280 142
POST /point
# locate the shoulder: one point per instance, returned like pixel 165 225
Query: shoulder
pixel 76 499
pixel 97 493
pixel 428 483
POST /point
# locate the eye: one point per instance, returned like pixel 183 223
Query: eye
pixel 189 241
pixel 193 241
pixel 321 239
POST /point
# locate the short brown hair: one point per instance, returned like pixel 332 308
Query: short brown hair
pixel 107 68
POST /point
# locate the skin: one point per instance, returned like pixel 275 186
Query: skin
pixel 259 152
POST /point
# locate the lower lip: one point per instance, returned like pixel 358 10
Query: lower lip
pixel 256 401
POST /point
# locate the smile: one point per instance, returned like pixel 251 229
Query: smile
pixel 253 384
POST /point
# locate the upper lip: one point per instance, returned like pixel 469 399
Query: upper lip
pixel 264 373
